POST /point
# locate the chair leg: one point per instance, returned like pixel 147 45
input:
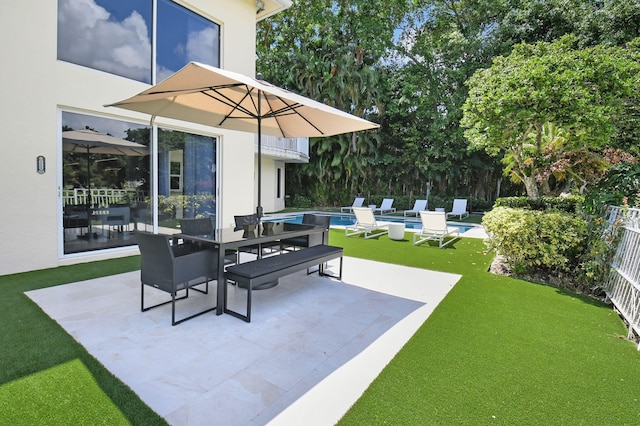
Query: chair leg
pixel 143 309
pixel 205 291
pixel 173 301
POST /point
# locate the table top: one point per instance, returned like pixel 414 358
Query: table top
pixel 253 234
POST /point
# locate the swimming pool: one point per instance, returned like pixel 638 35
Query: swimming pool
pixel 349 219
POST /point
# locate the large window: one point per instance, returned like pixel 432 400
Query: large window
pixel 105 182
pixel 115 36
pixel 184 36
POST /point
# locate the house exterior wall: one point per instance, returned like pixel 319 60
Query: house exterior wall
pixel 270 200
pixel 36 87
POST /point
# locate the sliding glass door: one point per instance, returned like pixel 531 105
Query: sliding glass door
pixel 106 182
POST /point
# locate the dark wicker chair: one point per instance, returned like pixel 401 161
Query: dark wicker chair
pixel 309 240
pixel 174 268
pixel 203 226
pixel 244 221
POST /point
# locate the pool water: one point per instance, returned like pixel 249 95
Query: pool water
pixel 347 219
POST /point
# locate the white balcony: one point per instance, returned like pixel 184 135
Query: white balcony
pixel 288 150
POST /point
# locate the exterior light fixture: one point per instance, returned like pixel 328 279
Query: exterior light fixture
pixel 259 6
pixel 41 164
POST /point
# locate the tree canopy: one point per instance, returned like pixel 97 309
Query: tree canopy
pixel 405 64
pixel 584 92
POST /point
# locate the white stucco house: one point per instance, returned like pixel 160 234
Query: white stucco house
pixel 66 201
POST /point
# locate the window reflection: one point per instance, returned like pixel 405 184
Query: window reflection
pixel 115 36
pixel 186 177
pixel 184 36
pixel 107 35
pixel 105 192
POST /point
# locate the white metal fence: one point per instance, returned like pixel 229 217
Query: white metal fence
pixel 623 285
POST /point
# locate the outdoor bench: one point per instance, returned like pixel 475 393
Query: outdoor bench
pixel 266 270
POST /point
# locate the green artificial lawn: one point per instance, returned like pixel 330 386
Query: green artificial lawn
pixel 500 351
pixel 44 373
pixel 64 394
pixel 495 351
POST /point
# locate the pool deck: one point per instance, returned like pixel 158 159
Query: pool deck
pixel 476 230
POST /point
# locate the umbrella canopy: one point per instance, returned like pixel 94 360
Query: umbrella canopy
pixel 99 143
pixel 211 96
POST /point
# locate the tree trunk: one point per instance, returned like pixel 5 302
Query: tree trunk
pixel 531 186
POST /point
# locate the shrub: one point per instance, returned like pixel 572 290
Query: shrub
pixel 571 204
pixel 622 180
pixel 532 240
pixel 299 201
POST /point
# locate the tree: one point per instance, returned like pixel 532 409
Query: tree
pixel 442 45
pixel 330 50
pixel 582 91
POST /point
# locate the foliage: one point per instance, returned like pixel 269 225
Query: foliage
pixel 570 204
pixel 403 63
pixel 330 51
pixel 299 201
pixel 532 240
pixel 434 56
pixel 595 263
pixel 612 22
pixel 583 91
pixel 197 205
pixel 621 182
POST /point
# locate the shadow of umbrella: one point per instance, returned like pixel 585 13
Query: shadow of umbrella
pixel 203 94
pixel 92 142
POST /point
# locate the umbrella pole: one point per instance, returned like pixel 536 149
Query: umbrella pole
pixel 259 208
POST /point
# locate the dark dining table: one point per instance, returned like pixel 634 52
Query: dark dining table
pixel 249 235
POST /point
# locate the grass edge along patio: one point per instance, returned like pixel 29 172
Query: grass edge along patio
pixel 497 349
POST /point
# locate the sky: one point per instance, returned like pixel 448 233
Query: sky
pixel 115 128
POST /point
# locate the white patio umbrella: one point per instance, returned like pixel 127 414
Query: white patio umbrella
pixel 211 96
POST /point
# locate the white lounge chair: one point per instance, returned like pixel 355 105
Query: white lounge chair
pixel 365 224
pixel 385 206
pixel 459 208
pixel 434 228
pixel 358 202
pixel 418 206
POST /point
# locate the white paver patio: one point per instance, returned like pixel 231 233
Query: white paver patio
pixel 313 346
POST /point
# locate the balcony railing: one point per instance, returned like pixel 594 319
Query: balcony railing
pixel 294 150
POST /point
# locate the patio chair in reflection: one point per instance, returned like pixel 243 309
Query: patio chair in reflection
pixel 418 206
pixel 174 269
pixel 459 208
pixel 386 206
pixel 366 224
pixel 141 214
pixel 358 202
pixel 435 228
